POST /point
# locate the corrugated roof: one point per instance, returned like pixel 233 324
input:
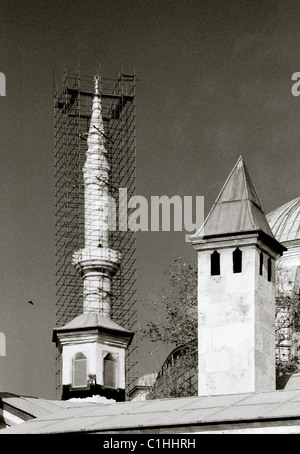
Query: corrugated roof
pixel 169 414
pixel 237 208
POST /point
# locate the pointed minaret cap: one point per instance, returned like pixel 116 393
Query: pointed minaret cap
pixel 96 132
pixel 237 209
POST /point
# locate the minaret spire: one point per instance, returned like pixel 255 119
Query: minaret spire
pixel 97 263
pixel 96 130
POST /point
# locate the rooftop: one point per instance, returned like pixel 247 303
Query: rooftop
pixel 91 320
pixel 269 412
pixel 16 409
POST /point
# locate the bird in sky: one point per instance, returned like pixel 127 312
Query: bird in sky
pixel 30 302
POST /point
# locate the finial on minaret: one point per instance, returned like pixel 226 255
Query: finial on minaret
pixel 96 131
pixel 96 79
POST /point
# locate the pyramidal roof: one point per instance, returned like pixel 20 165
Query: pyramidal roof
pixel 237 208
pixel 91 320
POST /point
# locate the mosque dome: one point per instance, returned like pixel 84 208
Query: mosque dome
pixel 285 225
pixel 285 221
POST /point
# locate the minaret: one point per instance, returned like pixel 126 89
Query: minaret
pixel 92 345
pixel 96 263
pixel 236 292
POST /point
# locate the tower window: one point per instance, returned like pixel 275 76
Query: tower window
pixel 269 269
pixel 79 371
pixel 261 263
pixel 237 260
pixel 215 264
pixel 109 374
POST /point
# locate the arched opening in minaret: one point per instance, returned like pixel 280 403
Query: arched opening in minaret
pixel 109 371
pixel 237 260
pixel 79 371
pixel 215 263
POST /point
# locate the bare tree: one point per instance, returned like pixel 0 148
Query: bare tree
pixel 176 312
pixel 287 324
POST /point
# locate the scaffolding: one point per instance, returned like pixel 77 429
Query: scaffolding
pixel 72 111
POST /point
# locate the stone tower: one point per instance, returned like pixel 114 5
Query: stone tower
pixel 92 345
pixel 236 292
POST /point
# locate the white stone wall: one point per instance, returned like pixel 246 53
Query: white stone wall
pixel 236 330
pixel 95 350
pixel 265 327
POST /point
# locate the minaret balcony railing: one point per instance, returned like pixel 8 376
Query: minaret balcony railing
pixel 98 258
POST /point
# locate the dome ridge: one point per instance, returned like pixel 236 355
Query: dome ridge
pixel 285 221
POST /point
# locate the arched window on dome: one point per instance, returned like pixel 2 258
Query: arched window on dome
pixel 79 371
pixel 261 263
pixel 269 269
pixel 110 371
pixel 237 260
pixel 215 264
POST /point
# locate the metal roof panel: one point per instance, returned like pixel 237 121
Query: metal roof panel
pixel 131 416
pixel 237 208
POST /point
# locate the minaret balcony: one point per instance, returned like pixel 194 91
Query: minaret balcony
pixel 100 258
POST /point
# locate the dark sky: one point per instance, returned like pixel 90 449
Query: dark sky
pixel 214 84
